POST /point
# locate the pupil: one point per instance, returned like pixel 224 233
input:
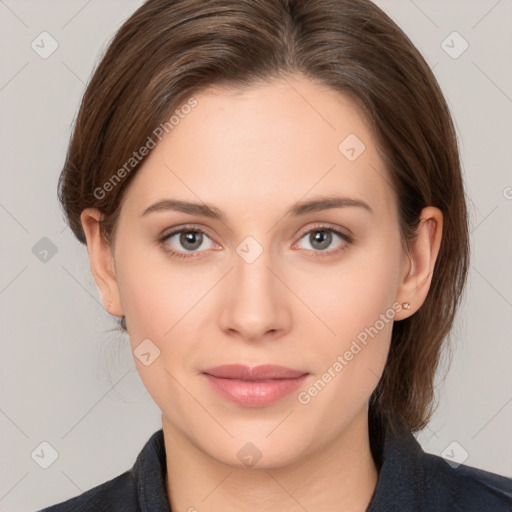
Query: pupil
pixel 187 240
pixel 323 237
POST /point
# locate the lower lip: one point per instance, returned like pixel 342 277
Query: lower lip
pixel 254 393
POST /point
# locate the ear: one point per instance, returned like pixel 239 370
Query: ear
pixel 417 272
pixel 101 261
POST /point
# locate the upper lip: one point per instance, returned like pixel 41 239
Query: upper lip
pixel 255 373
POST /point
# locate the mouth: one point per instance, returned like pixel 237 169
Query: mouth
pixel 258 386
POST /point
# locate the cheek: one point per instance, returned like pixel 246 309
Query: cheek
pixel 155 293
pixel 352 295
pixel 167 304
pixel 160 301
pixel 355 301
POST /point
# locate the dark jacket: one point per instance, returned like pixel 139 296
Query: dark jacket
pixel 410 480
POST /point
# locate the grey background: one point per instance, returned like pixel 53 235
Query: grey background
pixel 70 382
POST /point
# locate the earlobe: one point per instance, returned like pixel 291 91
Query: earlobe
pixel 422 255
pixel 101 261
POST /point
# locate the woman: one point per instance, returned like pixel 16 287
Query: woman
pixel 271 198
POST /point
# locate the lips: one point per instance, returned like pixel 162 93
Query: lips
pixel 256 373
pixel 254 386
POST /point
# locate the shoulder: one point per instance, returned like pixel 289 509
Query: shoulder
pixel 411 479
pixel 140 488
pixel 118 493
pixel 465 487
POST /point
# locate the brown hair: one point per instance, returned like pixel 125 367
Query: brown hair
pixel 170 49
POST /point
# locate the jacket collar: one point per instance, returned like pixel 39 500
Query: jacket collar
pixel 395 450
pixel 398 456
pixel 149 475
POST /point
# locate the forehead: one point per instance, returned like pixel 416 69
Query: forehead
pixel 262 145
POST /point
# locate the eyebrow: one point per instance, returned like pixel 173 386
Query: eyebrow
pixel 297 209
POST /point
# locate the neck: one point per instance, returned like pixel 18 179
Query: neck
pixel 339 476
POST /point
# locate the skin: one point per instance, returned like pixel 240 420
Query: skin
pixel 252 153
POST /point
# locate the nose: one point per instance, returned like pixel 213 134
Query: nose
pixel 256 304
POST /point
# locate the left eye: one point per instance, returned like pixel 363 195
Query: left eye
pixel 320 239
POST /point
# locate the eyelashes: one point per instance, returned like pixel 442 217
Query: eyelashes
pixel 197 240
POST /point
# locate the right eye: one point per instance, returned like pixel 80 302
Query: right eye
pixel 190 239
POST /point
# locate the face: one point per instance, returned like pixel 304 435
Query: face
pixel 313 289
